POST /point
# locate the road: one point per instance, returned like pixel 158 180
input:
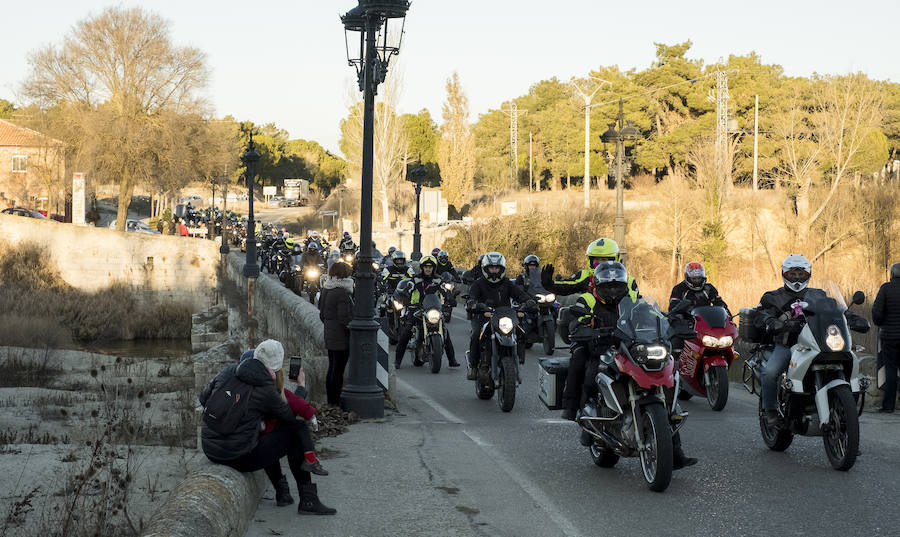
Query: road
pixel 524 472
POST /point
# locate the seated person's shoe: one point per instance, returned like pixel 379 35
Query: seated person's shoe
pixel 314 468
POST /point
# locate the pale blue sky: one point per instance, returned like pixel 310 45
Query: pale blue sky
pixel 284 61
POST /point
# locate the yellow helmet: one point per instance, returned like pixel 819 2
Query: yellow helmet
pixel 602 250
pixel 428 260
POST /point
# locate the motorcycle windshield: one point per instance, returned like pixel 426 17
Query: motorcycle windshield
pixel 714 316
pixel 831 291
pixel 534 282
pixel 641 321
pixel 823 312
pixel 431 301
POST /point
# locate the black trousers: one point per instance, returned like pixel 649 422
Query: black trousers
pixel 406 335
pixel 288 438
pixel 334 379
pixel 477 322
pixel 890 360
pixel 575 377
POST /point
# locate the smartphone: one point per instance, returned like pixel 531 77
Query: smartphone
pixel 294 369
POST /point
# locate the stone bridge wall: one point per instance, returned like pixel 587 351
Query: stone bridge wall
pixel 160 267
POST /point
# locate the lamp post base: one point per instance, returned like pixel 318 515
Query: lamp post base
pixel 366 401
pixel 361 393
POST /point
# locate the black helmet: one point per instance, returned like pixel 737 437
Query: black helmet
pixel 391 250
pixel 443 257
pixel 610 282
pixel 531 260
pixel 490 262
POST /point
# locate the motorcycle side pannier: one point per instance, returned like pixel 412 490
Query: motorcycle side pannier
pixel 747 330
pixel 551 380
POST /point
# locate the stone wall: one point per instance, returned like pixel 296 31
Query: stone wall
pixel 160 267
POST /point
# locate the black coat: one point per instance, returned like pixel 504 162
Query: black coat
pixel 707 296
pixel 265 401
pixel 336 312
pixel 886 310
pixel 496 295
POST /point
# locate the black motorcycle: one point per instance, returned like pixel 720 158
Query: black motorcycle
pixel 428 332
pixel 498 368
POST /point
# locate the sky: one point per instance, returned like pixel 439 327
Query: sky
pixel 284 62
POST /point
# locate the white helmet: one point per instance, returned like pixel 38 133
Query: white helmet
pixel 493 259
pixel 799 282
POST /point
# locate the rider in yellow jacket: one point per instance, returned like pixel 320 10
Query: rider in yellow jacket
pixel 598 251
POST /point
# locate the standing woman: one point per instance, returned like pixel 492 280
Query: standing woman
pixel 336 312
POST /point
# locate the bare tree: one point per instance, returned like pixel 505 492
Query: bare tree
pixel 120 71
pixel 456 150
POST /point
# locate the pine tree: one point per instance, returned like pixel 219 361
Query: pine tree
pixel 456 154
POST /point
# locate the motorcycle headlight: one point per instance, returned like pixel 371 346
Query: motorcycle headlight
pixel 433 316
pixel 312 273
pixel 726 341
pixel 505 325
pixel 397 305
pixel 348 259
pixel 834 339
pixel 656 352
pixel 374 265
pixel 298 268
pixel 549 297
pixel 710 341
pixel 448 286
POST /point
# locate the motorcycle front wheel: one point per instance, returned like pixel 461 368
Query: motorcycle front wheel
pixel 717 387
pixel 656 455
pixel 437 349
pixel 506 393
pixel 842 437
pixel 776 438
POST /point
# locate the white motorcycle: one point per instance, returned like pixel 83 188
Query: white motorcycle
pixel 817 396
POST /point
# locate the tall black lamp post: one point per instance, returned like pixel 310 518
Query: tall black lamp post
pixel 251 270
pixel 377 27
pixel 418 173
pixel 627 134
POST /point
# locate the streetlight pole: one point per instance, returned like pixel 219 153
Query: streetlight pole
pixel 361 393
pixel 418 172
pixel 626 133
pixel 251 270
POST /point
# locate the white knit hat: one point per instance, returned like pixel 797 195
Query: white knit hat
pixel 271 353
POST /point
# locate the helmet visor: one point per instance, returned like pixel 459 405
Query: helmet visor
pixel 796 275
pixel 597 260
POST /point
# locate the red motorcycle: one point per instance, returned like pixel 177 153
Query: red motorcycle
pixel 704 360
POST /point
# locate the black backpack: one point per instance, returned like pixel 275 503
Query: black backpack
pixel 227 405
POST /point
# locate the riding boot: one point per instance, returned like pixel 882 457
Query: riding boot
pixel 472 372
pixel 679 460
pixel 283 493
pixel 309 501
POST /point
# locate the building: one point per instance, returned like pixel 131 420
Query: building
pixel 32 169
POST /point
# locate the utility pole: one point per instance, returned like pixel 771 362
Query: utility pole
pixel 513 113
pixel 721 121
pixel 587 96
pixel 755 142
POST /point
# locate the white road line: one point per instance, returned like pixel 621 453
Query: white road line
pixel 555 421
pixel 439 408
pixel 530 488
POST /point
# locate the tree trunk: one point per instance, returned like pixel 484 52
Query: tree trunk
pixel 385 213
pixel 126 189
pixel 802 215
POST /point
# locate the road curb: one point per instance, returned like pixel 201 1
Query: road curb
pixel 214 501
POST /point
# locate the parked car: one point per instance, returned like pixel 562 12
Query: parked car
pixel 135 225
pixel 193 200
pixel 21 211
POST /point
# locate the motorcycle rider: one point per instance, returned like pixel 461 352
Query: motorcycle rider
pixel 346 243
pixel 310 257
pixel 444 265
pixel 396 271
pixel 493 290
pixel 610 284
pixel 386 260
pixel 474 273
pixel 598 251
pixel 426 282
pixel 775 315
pixel 529 264
pixel 696 290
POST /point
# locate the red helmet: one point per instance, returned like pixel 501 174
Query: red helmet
pixel 694 275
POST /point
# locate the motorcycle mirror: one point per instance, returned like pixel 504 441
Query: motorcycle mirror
pixel 859 297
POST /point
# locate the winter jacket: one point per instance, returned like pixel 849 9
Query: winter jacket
pixel 265 402
pixel 707 296
pixel 336 312
pixel 496 295
pixel 886 310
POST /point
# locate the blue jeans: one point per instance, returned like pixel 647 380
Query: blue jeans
pixel 775 366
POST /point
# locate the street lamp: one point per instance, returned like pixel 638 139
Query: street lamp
pixel 251 270
pixel 629 134
pixel 418 173
pixel 377 25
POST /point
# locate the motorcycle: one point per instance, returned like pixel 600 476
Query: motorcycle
pixel 705 358
pixel 498 367
pixel 309 280
pixel 636 385
pixel 391 311
pixel 429 333
pixel 817 394
pixel 449 292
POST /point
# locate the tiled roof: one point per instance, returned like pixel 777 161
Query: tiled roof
pixel 13 135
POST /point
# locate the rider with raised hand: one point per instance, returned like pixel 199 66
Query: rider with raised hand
pixel 396 271
pixel 426 282
pixel 598 251
pixel 492 290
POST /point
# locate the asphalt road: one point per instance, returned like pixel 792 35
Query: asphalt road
pixel 525 473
